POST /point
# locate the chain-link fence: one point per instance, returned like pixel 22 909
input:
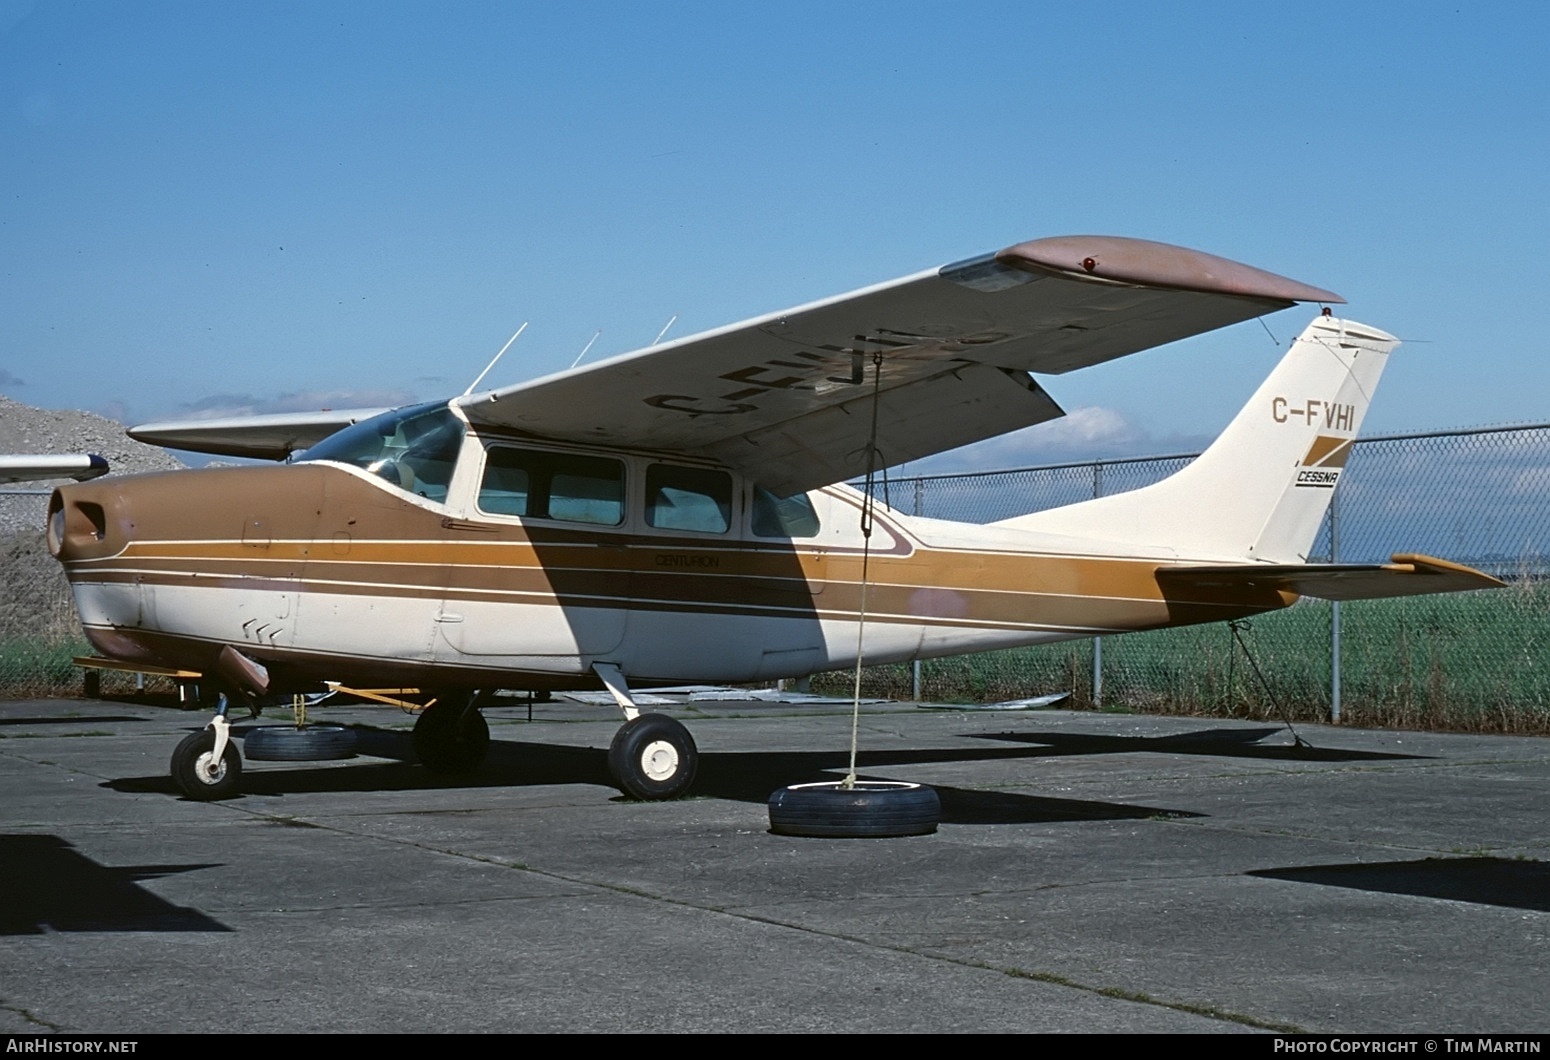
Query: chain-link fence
pixel 1462 660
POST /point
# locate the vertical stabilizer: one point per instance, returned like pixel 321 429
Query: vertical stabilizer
pixel 1260 491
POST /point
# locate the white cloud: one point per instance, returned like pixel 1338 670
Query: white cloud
pixel 1085 433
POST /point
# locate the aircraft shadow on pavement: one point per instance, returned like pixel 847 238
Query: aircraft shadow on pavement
pixel 1479 880
pixel 1228 743
pixel 741 776
pixel 51 886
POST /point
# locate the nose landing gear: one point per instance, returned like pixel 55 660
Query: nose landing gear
pixel 206 765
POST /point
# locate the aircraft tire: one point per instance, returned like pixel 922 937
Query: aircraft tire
pixel 652 758
pixel 197 773
pixel 287 743
pixel 451 737
pixel 871 809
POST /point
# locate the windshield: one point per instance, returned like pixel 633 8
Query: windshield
pixel 413 448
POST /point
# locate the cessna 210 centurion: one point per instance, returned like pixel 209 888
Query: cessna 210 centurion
pixel 668 515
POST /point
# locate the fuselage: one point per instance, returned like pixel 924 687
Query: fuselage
pixel 485 560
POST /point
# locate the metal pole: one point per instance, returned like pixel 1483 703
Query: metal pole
pixel 915 663
pixel 1097 641
pixel 1334 612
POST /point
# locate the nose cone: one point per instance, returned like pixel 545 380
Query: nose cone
pixel 87 521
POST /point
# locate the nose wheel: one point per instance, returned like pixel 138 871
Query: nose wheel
pixel 205 771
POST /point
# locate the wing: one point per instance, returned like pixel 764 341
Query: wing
pixel 787 398
pixel 269 437
pixel 1406 575
pixel 24 467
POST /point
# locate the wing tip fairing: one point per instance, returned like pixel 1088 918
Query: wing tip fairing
pixel 1142 263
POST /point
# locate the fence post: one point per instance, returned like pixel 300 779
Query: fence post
pixel 1334 611
pixel 1097 641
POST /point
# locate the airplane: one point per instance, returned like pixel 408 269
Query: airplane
pixel 672 514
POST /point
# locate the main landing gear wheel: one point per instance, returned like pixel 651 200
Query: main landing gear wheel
pixel 869 809
pixel 202 776
pixel 451 736
pixel 310 743
pixel 653 757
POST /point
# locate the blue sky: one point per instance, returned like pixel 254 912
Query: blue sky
pixel 267 206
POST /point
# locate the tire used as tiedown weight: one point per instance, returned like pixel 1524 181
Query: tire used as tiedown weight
pixel 309 743
pixel 870 809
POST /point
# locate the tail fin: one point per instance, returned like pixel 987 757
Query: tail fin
pixel 1260 491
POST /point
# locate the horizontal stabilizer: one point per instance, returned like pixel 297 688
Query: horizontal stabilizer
pixel 1405 575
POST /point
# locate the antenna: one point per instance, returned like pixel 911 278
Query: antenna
pixel 497 357
pixel 587 347
pixel 664 330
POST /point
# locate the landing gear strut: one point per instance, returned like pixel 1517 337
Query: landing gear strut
pixel 451 736
pixel 207 765
pixel 652 757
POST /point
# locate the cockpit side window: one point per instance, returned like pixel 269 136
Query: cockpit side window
pixel 783 516
pixel 413 448
pixel 538 484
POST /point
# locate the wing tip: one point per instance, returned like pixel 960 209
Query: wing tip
pixel 1122 259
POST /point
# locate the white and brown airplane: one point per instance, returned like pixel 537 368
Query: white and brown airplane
pixel 668 515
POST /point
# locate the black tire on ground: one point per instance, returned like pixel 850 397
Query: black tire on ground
pixel 871 809
pixel 451 736
pixel 653 757
pixel 199 775
pixel 287 743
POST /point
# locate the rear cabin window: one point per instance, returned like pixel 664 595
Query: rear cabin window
pixel 791 516
pixel 568 487
pixel 688 498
